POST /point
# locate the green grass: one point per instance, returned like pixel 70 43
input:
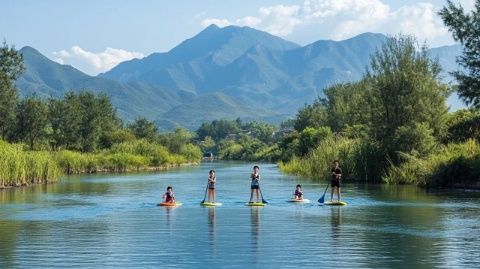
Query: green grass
pixel 318 162
pixel 453 165
pixel 21 167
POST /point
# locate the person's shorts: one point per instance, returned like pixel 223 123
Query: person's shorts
pixel 335 183
pixel 255 187
pixel 211 188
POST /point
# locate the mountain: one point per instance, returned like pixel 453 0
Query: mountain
pixel 225 72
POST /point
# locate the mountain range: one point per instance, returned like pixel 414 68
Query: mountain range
pixel 219 73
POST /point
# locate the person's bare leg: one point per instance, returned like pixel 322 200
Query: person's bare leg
pixel 258 199
pixel 331 193
pixel 214 194
pixel 339 195
pixel 251 196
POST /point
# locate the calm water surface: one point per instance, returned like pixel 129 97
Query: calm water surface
pixel 112 221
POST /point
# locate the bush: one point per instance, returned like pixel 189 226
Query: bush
pixel 451 165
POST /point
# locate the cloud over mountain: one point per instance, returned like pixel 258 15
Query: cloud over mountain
pixel 94 63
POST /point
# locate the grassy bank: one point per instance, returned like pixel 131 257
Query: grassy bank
pixel 19 166
pixel 453 165
pixel 317 163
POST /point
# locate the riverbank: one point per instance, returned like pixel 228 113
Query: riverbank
pixel 21 167
pixel 456 165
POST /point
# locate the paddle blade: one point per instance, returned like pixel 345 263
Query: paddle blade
pixel 322 199
pixel 263 201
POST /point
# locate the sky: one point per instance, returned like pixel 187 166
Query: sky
pixel 96 35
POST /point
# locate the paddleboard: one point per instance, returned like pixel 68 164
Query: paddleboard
pixel 210 204
pixel 334 203
pixel 256 204
pixel 170 204
pixel 304 201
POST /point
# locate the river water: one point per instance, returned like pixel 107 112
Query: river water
pixel 112 221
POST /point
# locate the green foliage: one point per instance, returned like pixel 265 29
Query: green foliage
pixel 144 129
pixel 346 105
pixel 82 121
pixel 11 66
pixel 453 165
pixel 31 122
pixel 465 28
pixel 317 163
pixel 463 125
pixel 21 167
pixel 405 91
pixel 314 115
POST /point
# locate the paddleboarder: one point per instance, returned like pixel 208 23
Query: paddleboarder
pixel 335 182
pixel 255 183
pixel 212 179
pixel 169 197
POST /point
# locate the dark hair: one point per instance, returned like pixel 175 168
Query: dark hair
pixel 336 161
pixel 211 171
pixel 298 186
pixel 256 166
pixel 169 188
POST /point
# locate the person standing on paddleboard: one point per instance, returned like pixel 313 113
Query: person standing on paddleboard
pixel 212 179
pixel 255 184
pixel 335 182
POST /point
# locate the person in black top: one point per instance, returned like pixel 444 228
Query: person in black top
pixel 212 179
pixel 336 177
pixel 255 183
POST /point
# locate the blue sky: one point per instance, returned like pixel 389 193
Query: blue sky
pixel 95 35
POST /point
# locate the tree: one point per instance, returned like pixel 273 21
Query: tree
pixel 346 105
pixel 465 28
pixel 11 67
pixel 144 129
pixel 65 120
pixel 32 121
pixel 405 92
pixel 314 115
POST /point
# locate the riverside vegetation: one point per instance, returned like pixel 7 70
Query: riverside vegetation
pixel 81 132
pixel 392 126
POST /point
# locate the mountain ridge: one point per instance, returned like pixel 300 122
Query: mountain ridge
pixel 245 72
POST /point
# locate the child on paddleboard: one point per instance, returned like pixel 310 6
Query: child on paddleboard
pixel 298 193
pixel 335 182
pixel 212 179
pixel 255 183
pixel 169 197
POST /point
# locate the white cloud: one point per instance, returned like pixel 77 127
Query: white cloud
pixel 219 22
pixel 94 63
pixel 340 19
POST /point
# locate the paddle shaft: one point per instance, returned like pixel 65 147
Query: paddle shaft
pixel 205 195
pixel 263 200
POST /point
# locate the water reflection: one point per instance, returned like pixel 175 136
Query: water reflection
pixel 255 226
pixel 336 219
pixel 212 224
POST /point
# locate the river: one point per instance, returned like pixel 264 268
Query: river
pixel 112 221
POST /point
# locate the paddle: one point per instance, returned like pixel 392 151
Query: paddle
pixel 263 200
pixel 322 199
pixel 205 195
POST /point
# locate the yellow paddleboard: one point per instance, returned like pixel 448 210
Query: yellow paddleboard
pixel 335 203
pixel 256 204
pixel 210 204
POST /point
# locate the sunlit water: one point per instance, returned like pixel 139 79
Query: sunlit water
pixel 112 221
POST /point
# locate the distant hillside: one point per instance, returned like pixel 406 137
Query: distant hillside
pixel 219 73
